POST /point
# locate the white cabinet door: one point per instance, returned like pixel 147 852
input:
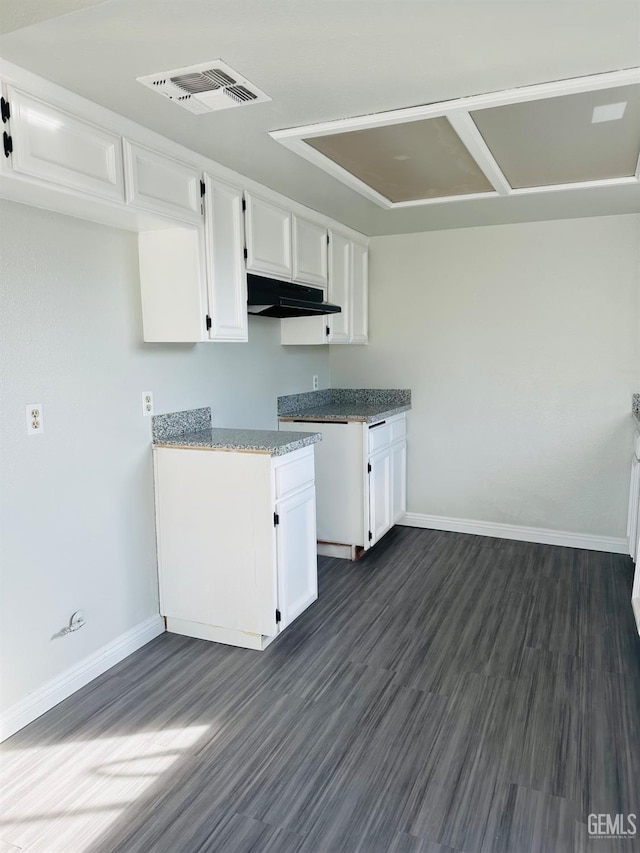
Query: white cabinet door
pixel 359 308
pixel 55 146
pixel 226 275
pixel 172 285
pixel 339 287
pixel 633 522
pixel 309 252
pixel 379 494
pixel 268 232
pixel 160 184
pixel 398 480
pixel 296 554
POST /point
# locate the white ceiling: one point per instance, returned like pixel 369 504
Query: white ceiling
pixel 321 60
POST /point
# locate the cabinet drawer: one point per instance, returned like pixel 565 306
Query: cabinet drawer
pixel 398 429
pixel 291 476
pixel 379 436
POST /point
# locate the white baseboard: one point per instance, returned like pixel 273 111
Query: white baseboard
pixel 50 694
pixel 610 544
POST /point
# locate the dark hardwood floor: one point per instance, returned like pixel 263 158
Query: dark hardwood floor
pixel 445 693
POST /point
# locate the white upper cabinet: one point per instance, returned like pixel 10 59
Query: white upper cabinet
pixel 172 285
pixel 348 284
pixel 193 281
pixel 58 147
pixel 226 275
pixel 86 161
pixel 359 302
pixel 268 232
pixel 160 184
pixel 339 287
pixel 309 252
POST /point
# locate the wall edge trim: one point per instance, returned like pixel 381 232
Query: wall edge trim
pixel 565 539
pixel 53 692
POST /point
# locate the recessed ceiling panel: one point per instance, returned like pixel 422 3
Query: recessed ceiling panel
pixel 404 162
pixel 560 140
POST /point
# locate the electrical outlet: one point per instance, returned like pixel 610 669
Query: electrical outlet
pixel 147 403
pixel 315 383
pixel 35 419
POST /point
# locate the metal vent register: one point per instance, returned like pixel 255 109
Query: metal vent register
pixel 205 88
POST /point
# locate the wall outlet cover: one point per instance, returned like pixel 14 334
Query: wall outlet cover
pixel 147 403
pixel 35 419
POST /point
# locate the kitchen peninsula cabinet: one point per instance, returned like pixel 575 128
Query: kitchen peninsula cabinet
pixel 236 531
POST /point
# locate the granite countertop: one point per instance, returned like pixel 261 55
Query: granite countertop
pixel 366 405
pixel 635 409
pixel 193 429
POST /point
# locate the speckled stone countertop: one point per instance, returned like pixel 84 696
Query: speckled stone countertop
pixel 635 408
pixel 167 432
pixel 367 405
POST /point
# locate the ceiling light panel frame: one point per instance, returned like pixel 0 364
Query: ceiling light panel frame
pixel 458 113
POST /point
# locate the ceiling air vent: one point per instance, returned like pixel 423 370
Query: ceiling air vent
pixel 205 88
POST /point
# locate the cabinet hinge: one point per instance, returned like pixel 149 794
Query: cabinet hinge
pixel 5 110
pixel 370 536
pixel 368 467
pixel 208 322
pixel 276 519
pixel 278 616
pixel 203 188
pixel 244 204
pixel 327 330
pixel 8 144
pixel 246 254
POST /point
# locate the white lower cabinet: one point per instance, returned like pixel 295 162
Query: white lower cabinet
pixel 387 465
pixel 236 542
pixel 633 522
pixel 380 494
pixel 398 480
pixel 296 552
pixel 633 529
pixel 361 480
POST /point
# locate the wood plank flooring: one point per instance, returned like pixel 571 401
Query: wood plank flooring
pixel 445 693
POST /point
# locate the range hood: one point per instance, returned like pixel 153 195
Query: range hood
pixel 270 297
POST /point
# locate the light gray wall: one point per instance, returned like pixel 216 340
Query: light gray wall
pixel 521 344
pixel 76 503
